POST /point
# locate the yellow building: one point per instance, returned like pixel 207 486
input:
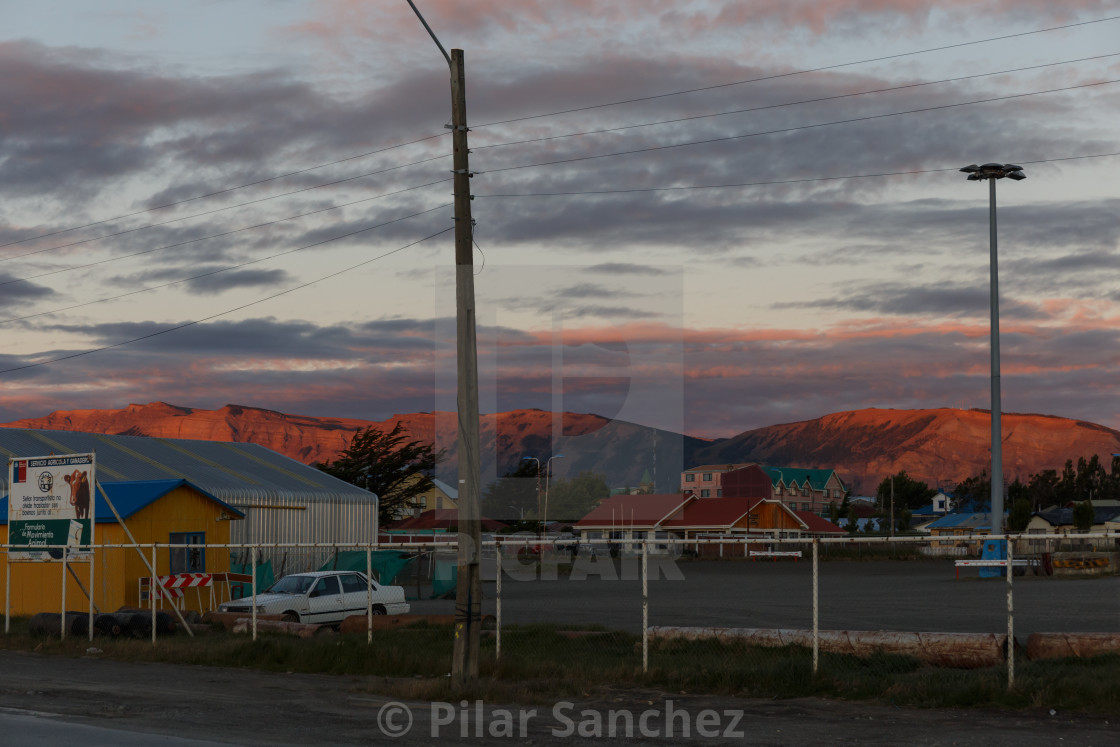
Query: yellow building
pixel 156 512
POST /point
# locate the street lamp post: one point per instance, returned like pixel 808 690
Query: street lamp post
pixel 538 461
pixel 547 479
pixel 992 172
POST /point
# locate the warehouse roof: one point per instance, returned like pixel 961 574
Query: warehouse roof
pixel 130 497
pixel 234 473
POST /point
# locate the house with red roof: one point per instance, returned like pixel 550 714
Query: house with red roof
pixel 626 518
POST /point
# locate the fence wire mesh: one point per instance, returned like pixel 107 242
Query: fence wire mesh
pixel 760 616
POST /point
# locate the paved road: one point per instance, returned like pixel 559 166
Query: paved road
pixel 874 595
pixel 97 702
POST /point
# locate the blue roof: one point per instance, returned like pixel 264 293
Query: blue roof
pixel 130 497
pixel 966 521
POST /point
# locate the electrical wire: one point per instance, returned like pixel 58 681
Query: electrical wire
pixel 793 129
pixel 777 181
pixel 796 72
pixel 537 116
pixel 221 270
pixel 214 235
pixel 218 210
pixel 220 313
pixel 791 103
pixel 223 191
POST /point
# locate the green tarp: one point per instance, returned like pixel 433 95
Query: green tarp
pixel 266 577
pixel 386 564
pixel 444 578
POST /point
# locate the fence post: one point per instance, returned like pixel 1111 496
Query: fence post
pixel 152 593
pixel 253 556
pixel 92 556
pixel 62 627
pixel 1010 618
pixel 369 596
pixel 816 609
pixel 498 602
pixel 645 605
pixel 7 590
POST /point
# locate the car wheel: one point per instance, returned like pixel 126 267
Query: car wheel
pixel 290 617
pixel 378 609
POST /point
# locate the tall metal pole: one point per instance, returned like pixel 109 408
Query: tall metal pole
pixel 997 431
pixel 468 589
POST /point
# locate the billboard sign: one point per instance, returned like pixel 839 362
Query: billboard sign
pixel 50 502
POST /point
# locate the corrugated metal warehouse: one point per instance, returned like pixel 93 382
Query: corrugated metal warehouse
pixel 283 500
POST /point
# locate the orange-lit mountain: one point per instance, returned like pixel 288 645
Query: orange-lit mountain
pixel 939 446
pixel 624 451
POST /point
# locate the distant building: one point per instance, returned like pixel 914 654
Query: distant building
pixel 798 488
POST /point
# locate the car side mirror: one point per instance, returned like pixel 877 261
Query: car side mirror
pixel 314 593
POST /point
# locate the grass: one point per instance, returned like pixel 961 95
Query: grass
pixel 541 663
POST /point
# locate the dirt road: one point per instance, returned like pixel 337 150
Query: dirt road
pixel 109 702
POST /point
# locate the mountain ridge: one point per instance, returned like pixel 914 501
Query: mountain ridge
pixel 938 445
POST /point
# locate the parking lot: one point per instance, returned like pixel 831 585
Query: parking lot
pixel 870 595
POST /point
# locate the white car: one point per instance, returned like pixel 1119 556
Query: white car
pixel 322 597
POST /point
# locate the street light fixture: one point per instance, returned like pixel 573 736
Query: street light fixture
pixel 547 478
pixel 993 172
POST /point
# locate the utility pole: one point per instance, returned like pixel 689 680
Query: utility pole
pixel 892 506
pixel 468 586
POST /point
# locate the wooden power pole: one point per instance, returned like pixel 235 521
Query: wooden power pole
pixel 468 587
pixel 468 584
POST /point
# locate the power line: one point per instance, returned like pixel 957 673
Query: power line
pixel 221 270
pixel 794 129
pixel 777 181
pixel 790 103
pixel 217 210
pixel 216 235
pixel 538 116
pixel 796 72
pixel 223 191
pixel 220 313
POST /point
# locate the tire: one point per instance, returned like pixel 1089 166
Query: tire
pixel 378 609
pixel 290 617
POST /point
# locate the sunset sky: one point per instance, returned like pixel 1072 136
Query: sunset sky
pixel 626 272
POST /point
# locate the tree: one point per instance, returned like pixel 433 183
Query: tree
pixel 853 520
pixel 389 465
pixel 1083 516
pixel 572 499
pixel 974 493
pixel 513 495
pixel 833 512
pixel 908 493
pixel 1043 489
pixel 1019 515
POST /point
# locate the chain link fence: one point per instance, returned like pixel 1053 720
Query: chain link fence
pixel 764 615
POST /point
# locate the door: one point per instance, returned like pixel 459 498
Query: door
pixel 324 601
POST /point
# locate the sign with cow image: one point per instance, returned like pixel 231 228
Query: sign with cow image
pixel 50 502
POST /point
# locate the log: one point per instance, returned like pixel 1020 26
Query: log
pixel 953 650
pixel 1071 645
pixel 303 630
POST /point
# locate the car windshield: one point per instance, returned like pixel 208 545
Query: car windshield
pixel 292 585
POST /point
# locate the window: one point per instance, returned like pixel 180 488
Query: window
pixel 188 559
pixel 707 477
pixel 705 493
pixel 806 506
pixel 690 477
pixel 719 492
pixel 352 582
pixel 326 586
